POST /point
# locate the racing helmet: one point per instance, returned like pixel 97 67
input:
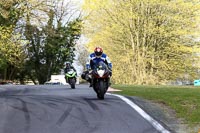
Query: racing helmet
pixel 98 51
pixel 68 64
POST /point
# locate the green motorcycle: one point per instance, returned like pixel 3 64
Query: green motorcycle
pixel 70 77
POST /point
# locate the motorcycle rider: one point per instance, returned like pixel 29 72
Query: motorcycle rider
pixel 94 58
pixel 68 67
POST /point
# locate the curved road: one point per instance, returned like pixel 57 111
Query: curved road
pixel 59 109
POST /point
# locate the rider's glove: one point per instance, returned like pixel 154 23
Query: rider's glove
pixel 110 71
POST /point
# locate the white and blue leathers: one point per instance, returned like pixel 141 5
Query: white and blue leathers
pixel 96 59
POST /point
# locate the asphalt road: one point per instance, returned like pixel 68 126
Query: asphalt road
pixel 59 109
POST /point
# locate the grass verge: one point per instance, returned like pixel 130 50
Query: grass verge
pixel 185 100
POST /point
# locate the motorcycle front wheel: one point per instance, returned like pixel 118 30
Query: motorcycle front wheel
pixel 72 83
pixel 101 90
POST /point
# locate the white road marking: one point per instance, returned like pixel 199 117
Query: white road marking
pixel 154 123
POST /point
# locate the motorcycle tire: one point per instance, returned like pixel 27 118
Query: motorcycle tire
pixel 73 82
pixel 101 89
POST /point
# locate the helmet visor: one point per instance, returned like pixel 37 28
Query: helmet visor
pixel 98 53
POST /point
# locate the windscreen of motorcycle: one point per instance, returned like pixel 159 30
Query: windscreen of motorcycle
pixel 71 71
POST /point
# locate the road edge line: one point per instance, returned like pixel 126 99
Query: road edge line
pixel 147 117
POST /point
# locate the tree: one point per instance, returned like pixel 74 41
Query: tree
pixel 11 44
pixel 82 53
pixel 38 36
pixel 51 45
pixel 152 40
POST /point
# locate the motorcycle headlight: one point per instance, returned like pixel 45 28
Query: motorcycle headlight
pixel 101 72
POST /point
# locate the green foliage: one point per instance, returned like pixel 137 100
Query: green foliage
pixel 50 47
pixel 11 42
pixel 11 50
pixel 33 32
pixel 10 12
pixel 153 40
